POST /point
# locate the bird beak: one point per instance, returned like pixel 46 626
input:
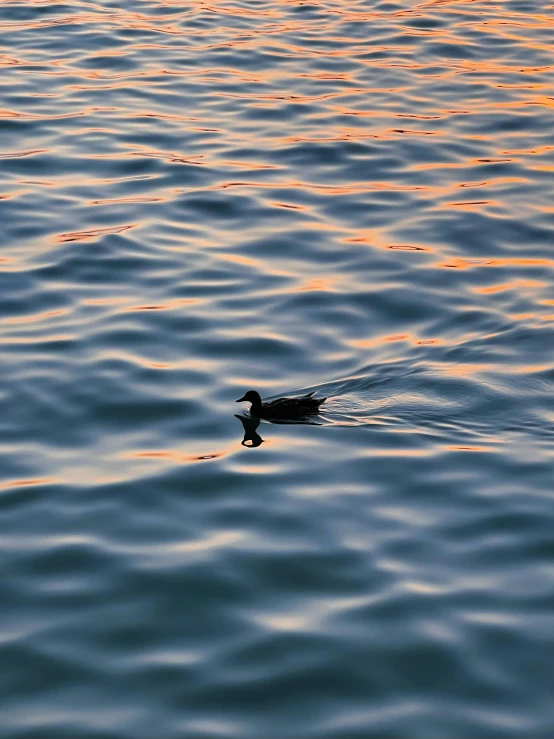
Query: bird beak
pixel 240 400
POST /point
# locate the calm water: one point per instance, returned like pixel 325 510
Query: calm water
pixel 201 198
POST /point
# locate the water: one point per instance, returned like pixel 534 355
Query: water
pixel 200 198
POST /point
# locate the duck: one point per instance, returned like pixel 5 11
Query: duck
pixel 288 408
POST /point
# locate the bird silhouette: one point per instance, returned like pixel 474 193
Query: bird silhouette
pixel 282 408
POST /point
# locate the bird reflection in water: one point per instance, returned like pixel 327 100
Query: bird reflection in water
pixel 250 424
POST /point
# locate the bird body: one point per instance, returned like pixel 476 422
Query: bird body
pixel 282 408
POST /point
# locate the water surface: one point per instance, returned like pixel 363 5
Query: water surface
pixel 201 198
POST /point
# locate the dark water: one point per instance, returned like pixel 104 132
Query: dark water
pixel 352 198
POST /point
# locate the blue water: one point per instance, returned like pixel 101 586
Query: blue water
pixel 201 198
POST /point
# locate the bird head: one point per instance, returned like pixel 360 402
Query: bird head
pixel 252 396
